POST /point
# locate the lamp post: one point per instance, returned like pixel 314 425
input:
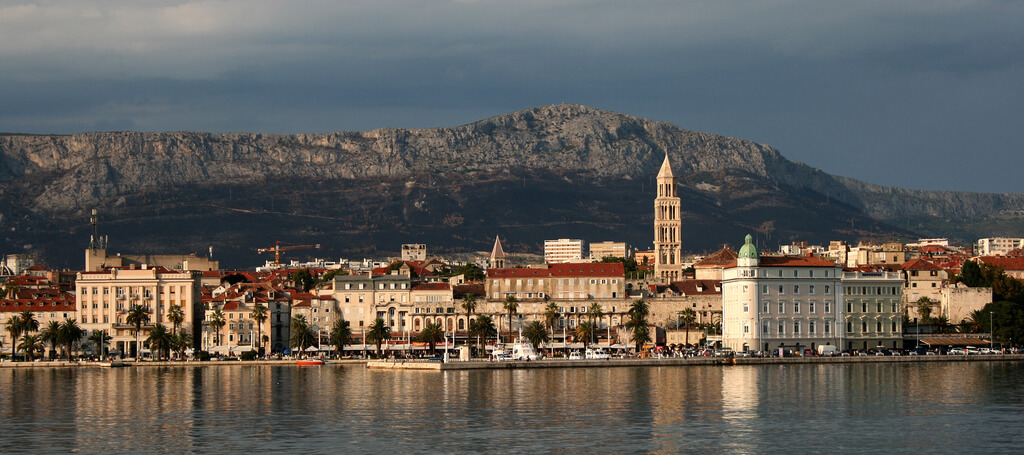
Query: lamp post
pixel 991 332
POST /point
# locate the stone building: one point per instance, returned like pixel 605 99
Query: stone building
pixel 873 314
pixel 668 226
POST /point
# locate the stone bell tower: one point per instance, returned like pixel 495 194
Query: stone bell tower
pixel 667 227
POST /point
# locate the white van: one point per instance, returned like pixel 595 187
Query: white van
pixel 828 350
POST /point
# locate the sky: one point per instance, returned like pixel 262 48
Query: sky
pixel 916 94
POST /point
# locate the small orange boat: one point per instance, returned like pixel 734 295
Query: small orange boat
pixel 309 362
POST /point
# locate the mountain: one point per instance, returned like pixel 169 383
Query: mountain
pixel 546 172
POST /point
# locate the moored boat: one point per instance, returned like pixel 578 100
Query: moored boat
pixel 309 362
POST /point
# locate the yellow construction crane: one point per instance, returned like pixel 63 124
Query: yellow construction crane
pixel 277 249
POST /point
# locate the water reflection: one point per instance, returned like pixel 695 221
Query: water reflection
pixel 944 407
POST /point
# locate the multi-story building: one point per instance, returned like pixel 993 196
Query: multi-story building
pixel 922 279
pixel 997 246
pixel 873 314
pixel 44 300
pixel 602 250
pixel 1012 266
pixel 668 227
pixel 414 252
pixel 240 331
pixel 574 281
pixel 770 302
pixel 563 250
pixel 105 297
pixel 435 303
pixel 364 298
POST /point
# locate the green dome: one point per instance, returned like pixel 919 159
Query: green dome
pixel 748 251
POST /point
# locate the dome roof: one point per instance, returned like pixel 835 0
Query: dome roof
pixel 748 251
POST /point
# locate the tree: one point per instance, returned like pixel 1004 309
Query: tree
pixel 637 323
pixel 137 316
pixel 536 334
pixel 216 323
pixel 30 344
pixel 13 327
pixel 100 339
pixel 51 335
pixel 924 308
pixel 471 271
pixel 69 335
pixel 551 315
pixel 596 312
pixel 304 280
pixel 29 323
pixel 483 328
pixel 180 342
pixel 302 336
pixel 585 331
pixel 469 304
pixel 176 315
pixel 378 333
pixel 159 340
pixel 341 335
pixel 259 314
pixel 511 306
pixel 431 334
pixel 970 275
pixel 687 316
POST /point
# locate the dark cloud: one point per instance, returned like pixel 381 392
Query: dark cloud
pixel 914 94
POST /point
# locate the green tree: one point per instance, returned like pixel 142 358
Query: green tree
pixel 176 316
pixel 585 332
pixel 99 338
pixel 378 333
pixel 431 334
pixel 471 271
pixel 302 336
pixel 469 304
pixel 924 308
pixel 483 328
pixel 138 315
pixel 13 327
pixel 687 316
pixel 536 334
pixel 970 275
pixel 596 312
pixel 637 323
pixel 341 335
pixel 29 323
pixel 180 342
pixel 259 314
pixel 30 345
pixel 69 335
pixel 51 335
pixel 217 322
pixel 551 316
pixel 159 340
pixel 511 306
pixel 304 280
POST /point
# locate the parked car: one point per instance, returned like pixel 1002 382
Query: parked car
pixel 575 355
pixel 971 350
pixel 957 351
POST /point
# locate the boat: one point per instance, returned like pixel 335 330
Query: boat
pixel 309 362
pixel 520 350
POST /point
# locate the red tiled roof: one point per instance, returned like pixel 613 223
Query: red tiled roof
pixel 697 287
pixel 211 273
pixel 462 290
pixel 790 261
pixel 717 259
pixel 569 269
pixel 1007 263
pixel 432 287
pixel 232 305
pixel 919 264
pixel 19 305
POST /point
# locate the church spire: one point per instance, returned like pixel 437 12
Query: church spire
pixel 666 168
pixel 497 260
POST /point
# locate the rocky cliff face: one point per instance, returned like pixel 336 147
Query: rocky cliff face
pixel 357 179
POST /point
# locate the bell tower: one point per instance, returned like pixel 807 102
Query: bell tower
pixel 667 227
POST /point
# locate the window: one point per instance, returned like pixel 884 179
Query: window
pixel 782 307
pixel 746 307
pixel 879 307
pixel 810 328
pixel 810 306
pixel 878 326
pixel 796 307
pixel 782 328
pixel 849 327
pixel 782 290
pixel 828 328
pixel 828 307
pixel 746 329
pixel 894 326
pixel 764 329
pixel 894 309
pixel 796 273
pixel 796 327
pixel 864 307
pixel 849 307
pixel 766 305
pixel 864 327
pixel 810 289
pixel 827 290
pixel 764 289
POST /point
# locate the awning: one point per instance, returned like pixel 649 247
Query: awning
pixel 220 349
pixel 954 341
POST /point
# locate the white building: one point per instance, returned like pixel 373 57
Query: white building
pixel 608 249
pixel 414 252
pixel 563 250
pixel 780 302
pixel 873 312
pixel 997 246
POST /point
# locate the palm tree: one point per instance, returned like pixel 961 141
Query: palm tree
pixel 13 327
pixel 100 339
pixel 637 323
pixel 482 328
pixel 585 331
pixel 137 316
pixel 551 315
pixel 432 334
pixel 51 335
pixel 469 304
pixel 341 335
pixel 596 312
pixel 29 323
pixel 536 334
pixel 30 344
pixel 687 317
pixel 175 315
pixel 302 337
pixel 216 323
pixel 511 306
pixel 159 340
pixel 70 334
pixel 924 308
pixel 180 342
pixel 378 333
pixel 259 314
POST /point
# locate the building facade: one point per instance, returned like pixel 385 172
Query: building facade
pixel 873 314
pixel 668 226
pixel 602 250
pixel 563 250
pixel 997 246
pixel 780 302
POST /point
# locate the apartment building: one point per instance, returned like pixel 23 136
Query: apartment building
pixel 364 298
pixel 873 313
pixel 602 250
pixel 563 250
pixel 997 246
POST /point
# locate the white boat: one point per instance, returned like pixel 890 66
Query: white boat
pixel 520 350
pixel 597 353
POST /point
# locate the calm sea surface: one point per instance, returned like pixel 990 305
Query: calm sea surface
pixel 975 407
